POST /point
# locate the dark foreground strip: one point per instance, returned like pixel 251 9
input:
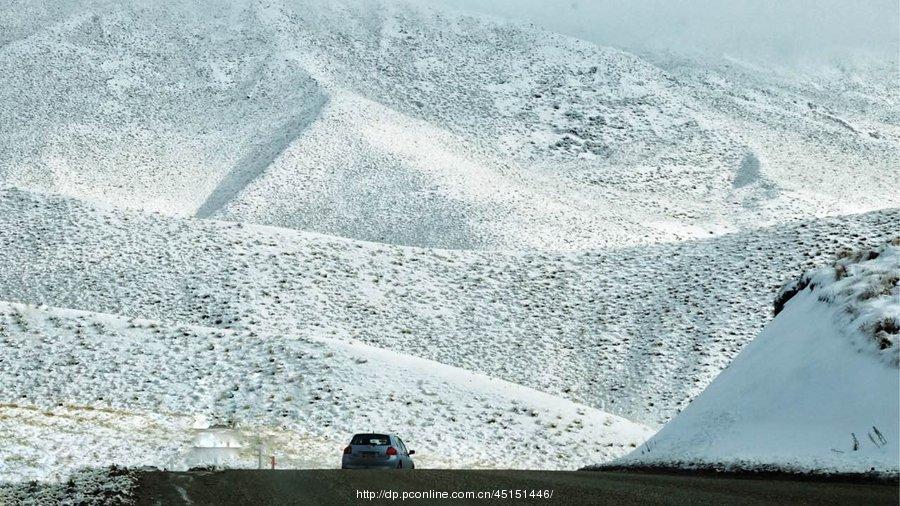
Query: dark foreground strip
pixel 762 473
pixel 246 487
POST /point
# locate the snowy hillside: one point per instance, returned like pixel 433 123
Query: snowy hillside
pixel 395 122
pixel 513 247
pixel 127 391
pixel 637 332
pixel 819 389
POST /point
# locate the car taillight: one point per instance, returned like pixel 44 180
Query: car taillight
pixel 391 451
pixel 348 450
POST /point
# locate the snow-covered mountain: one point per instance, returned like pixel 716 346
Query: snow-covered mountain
pixel 819 389
pixel 250 212
pixel 396 122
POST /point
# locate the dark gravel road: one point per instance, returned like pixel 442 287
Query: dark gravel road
pixel 577 487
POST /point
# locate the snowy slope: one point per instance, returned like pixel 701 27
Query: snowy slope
pixel 817 134
pixel 127 391
pixel 292 196
pixel 397 122
pixel 637 332
pixel 152 107
pixel 819 389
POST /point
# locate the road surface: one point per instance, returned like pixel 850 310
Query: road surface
pixel 251 487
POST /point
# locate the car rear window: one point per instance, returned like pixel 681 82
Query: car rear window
pixel 371 439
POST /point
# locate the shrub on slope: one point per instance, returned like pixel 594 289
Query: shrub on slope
pixel 863 284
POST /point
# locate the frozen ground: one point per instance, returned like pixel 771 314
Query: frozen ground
pixel 817 390
pixel 109 485
pixel 248 212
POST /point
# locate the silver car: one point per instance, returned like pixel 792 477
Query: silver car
pixel 377 451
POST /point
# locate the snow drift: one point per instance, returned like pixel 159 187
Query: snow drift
pixel 816 391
